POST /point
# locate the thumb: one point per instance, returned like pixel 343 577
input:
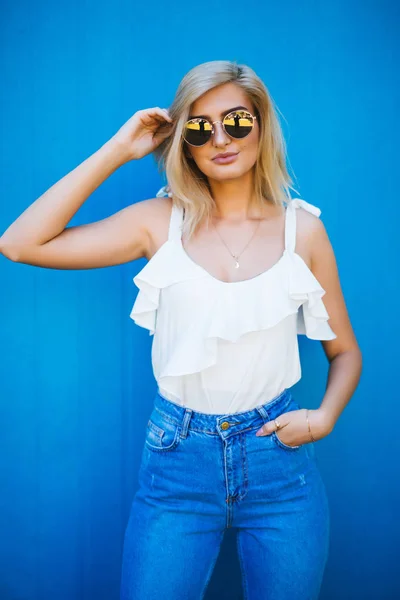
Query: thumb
pixel 266 429
pixel 160 136
pixel 271 426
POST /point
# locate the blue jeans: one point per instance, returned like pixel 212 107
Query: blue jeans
pixel 203 473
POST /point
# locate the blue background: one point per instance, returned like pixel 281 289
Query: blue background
pixel 76 380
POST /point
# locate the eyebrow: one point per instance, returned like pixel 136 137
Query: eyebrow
pixel 223 114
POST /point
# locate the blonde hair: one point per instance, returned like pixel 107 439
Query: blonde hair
pixel 188 185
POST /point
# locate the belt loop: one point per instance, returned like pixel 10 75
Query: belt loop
pixel 263 412
pixel 185 422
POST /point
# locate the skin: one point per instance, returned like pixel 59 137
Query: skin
pixel 40 236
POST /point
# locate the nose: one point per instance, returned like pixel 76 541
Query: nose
pixel 220 138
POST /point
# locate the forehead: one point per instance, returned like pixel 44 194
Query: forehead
pixel 221 98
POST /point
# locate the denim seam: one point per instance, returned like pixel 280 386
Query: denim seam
pixel 167 417
pixel 157 430
pixel 210 572
pixel 164 448
pixel 242 442
pixel 217 433
pixel 243 570
pixel 281 444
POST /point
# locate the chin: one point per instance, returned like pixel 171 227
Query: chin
pixel 230 170
pixel 224 173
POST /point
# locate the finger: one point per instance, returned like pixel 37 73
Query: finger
pixel 165 123
pixel 160 136
pixel 266 429
pixel 158 112
pixel 270 426
pixel 155 121
pixel 159 122
pixel 167 114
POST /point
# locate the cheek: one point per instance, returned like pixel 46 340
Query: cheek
pixel 249 144
pixel 252 149
pixel 252 142
pixel 201 159
pixel 249 150
pixel 198 154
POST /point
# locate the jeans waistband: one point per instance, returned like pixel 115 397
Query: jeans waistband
pixel 222 423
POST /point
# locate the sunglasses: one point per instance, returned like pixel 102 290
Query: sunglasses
pixel 237 124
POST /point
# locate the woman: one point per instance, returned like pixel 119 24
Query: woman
pixel 236 270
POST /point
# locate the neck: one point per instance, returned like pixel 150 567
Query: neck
pixel 233 198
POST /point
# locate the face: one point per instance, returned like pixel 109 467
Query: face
pixel 214 105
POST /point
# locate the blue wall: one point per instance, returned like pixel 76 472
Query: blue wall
pixel 76 381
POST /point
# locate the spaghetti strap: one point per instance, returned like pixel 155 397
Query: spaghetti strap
pixel 176 220
pixel 175 224
pixel 290 227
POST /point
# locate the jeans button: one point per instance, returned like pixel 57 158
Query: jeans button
pixel 225 425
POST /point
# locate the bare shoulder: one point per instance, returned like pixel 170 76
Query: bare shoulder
pixel 315 242
pixel 310 230
pixel 156 214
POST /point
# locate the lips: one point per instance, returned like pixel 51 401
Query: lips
pixel 225 155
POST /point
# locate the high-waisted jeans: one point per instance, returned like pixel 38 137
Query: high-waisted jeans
pixel 203 473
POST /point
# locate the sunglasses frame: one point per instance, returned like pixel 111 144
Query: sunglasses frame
pixel 223 126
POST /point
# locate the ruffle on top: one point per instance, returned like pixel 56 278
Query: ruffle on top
pixel 166 267
pixel 225 310
pixel 305 288
pixel 307 293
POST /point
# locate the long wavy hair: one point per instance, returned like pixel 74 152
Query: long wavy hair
pixel 187 185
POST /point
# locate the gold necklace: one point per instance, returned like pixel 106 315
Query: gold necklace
pixel 236 256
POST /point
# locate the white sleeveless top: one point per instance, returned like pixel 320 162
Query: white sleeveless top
pixel 225 347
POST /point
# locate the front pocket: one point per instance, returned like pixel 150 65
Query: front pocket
pixel 162 434
pixel 281 444
pixel 291 405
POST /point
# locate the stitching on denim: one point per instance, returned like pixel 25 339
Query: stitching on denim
pixel 164 448
pixel 210 572
pixel 157 430
pixel 242 443
pixel 216 432
pixel 176 422
pixel 282 444
pixel 242 567
pixel 167 417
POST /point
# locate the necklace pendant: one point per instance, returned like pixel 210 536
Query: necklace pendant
pixel 236 256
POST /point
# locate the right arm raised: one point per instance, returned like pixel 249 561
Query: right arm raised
pixel 39 236
pixel 120 238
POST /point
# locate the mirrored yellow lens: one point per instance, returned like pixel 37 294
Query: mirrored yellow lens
pixel 238 124
pixel 197 131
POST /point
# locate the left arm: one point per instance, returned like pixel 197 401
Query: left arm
pixel 343 353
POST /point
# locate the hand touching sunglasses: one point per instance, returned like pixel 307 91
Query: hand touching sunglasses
pixel 237 124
